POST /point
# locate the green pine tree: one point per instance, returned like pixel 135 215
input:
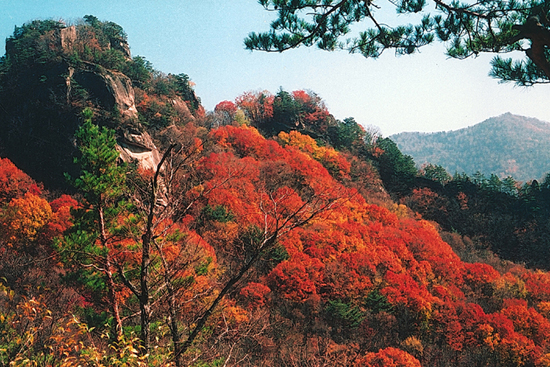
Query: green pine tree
pixel 88 245
pixel 466 28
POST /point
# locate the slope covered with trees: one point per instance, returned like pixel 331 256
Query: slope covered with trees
pixel 507 145
pixel 264 235
pixel 327 277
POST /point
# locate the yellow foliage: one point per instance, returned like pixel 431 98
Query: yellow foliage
pixel 241 119
pixel 235 315
pixel 24 217
pixel 402 211
pixel 328 157
pixel 544 360
pixel 413 345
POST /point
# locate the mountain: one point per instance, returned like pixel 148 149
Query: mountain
pixel 256 235
pixel 506 145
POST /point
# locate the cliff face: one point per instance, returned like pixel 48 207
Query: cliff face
pixel 109 89
pixel 50 73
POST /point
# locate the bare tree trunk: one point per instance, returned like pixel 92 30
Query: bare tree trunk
pixel 115 310
pixel 269 241
pixel 146 240
pixel 174 328
pixel 109 273
pixel 144 299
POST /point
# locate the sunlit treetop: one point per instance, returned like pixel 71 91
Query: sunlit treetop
pixel 467 29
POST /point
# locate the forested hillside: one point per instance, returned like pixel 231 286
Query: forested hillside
pixel 263 233
pixel 507 145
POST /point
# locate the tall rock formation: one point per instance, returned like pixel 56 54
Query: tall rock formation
pixel 50 73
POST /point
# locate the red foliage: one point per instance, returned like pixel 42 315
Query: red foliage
pixel 301 96
pixel 254 295
pixel 479 279
pixel 349 277
pixel 360 246
pixel 258 107
pixel 472 318
pixel 447 324
pixel 225 112
pixel 298 278
pixel 426 245
pixel 428 203
pixel 402 289
pixel 61 219
pixel 343 254
pixel 538 285
pixel 313 110
pixel 247 141
pixel 376 213
pixel 14 182
pixel 226 106
pixel 64 201
pixel 527 321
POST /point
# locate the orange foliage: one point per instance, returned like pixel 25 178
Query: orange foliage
pixel 333 161
pixel 233 315
pixel 24 218
pixel 388 357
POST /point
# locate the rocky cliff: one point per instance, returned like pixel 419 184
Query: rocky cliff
pixel 108 89
pixel 51 72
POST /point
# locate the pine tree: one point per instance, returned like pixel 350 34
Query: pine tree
pixel 88 246
pixel 467 29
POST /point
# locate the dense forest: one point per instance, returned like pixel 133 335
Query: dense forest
pixel 136 228
pixel 506 145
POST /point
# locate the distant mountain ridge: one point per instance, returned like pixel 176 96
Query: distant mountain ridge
pixel 505 145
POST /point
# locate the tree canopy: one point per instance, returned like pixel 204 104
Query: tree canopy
pixel 467 29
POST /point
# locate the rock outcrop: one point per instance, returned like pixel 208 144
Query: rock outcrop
pixel 109 89
pixel 67 38
pixel 139 146
pixel 51 72
pixel 182 109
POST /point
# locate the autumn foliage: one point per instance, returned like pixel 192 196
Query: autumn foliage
pixel 356 284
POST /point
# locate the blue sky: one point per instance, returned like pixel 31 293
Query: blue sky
pixel 204 39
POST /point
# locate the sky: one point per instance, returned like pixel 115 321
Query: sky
pixel 424 92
